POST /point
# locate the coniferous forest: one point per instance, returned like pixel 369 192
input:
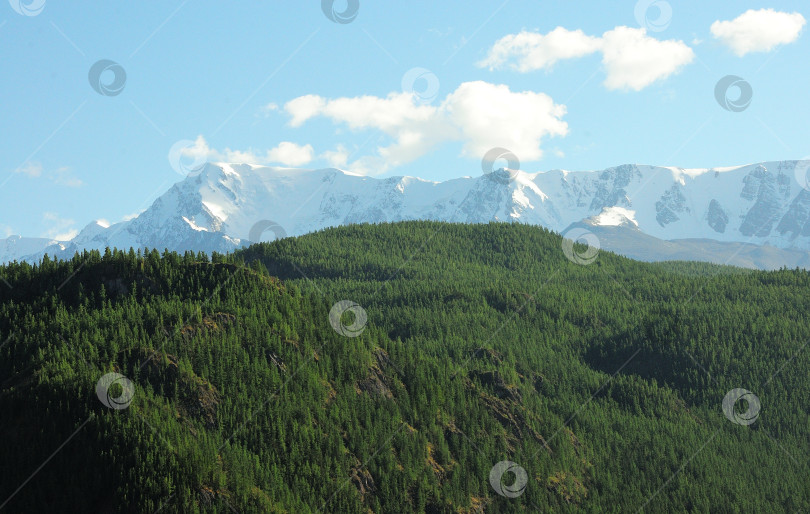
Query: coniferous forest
pixel 405 367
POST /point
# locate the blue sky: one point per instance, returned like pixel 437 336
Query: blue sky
pixel 418 88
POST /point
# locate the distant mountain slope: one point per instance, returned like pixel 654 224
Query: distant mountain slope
pixel 626 239
pixel 758 204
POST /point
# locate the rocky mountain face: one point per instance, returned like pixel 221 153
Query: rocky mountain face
pixel 227 206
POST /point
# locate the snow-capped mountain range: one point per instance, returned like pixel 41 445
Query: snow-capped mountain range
pixel 741 213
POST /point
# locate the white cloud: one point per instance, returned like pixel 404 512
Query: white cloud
pixel 290 154
pixel 267 110
pixel 63 177
pixel 631 58
pixel 285 154
pixel 386 114
pixel 534 51
pixel 414 127
pixel 31 169
pixel 634 60
pixel 478 114
pixel 758 31
pixel 337 158
pixel 60 176
pixel 60 228
pixel 489 115
pixel 303 108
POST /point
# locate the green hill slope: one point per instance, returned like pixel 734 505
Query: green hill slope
pixel 483 344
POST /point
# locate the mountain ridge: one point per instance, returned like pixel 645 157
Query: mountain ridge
pixel 762 204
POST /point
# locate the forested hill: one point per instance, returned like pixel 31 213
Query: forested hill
pixel 477 368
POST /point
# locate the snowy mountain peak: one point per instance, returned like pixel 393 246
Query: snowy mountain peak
pixel 614 217
pixel 220 207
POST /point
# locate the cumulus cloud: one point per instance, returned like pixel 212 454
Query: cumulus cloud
pixel 290 154
pixel 489 115
pixel 478 114
pixel 631 58
pixel 530 51
pixel 285 154
pixel 303 108
pixel 386 114
pixel 414 127
pixel 758 31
